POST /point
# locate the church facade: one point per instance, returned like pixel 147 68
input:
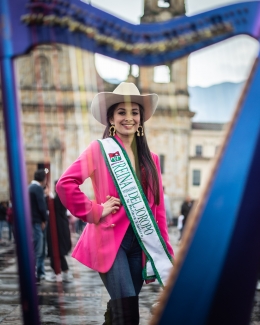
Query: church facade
pixel 56 85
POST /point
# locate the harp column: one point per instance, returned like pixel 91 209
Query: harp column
pixel 17 174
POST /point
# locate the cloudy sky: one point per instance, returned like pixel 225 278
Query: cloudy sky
pixel 228 61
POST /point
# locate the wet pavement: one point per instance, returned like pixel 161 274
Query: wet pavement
pixel 81 302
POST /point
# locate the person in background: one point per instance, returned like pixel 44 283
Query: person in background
pixel 180 225
pixel 185 210
pixel 9 219
pixel 72 222
pixel 167 208
pixel 80 225
pixel 39 218
pixel 3 209
pixel 60 236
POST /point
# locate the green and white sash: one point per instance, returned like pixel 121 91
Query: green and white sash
pixel 159 261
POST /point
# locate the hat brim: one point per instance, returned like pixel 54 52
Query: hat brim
pixel 102 101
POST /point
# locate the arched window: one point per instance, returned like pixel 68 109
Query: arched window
pixel 164 3
pixel 135 70
pixel 162 74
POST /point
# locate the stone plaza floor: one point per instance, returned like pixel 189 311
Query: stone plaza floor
pixel 82 301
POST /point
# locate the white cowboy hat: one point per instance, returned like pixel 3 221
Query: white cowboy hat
pixel 124 92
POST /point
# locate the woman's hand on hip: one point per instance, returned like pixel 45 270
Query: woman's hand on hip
pixel 112 205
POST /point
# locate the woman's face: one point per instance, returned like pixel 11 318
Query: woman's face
pixel 126 118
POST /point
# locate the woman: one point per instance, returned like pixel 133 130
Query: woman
pixel 126 238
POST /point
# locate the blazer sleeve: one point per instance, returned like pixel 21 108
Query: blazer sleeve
pixel 68 187
pixel 160 210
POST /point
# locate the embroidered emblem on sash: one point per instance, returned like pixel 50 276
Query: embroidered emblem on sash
pixel 114 156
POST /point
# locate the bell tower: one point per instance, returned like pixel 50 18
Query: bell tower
pixel 168 131
pixel 161 10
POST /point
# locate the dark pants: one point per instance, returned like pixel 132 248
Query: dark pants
pixel 124 279
pixel 10 231
pixel 39 248
pixel 63 263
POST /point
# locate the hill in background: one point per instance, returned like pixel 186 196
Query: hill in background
pixel 215 103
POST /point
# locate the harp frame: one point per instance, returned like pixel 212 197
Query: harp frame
pixel 233 194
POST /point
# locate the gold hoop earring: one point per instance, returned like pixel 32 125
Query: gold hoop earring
pixel 112 131
pixel 142 131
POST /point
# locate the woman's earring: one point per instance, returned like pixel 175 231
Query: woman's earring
pixel 141 130
pixel 112 131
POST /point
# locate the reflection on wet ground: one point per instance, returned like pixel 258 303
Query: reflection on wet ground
pixel 7 256
pixel 81 302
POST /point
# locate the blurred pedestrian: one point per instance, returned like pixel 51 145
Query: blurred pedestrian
pixel 72 222
pixel 9 219
pixel 167 208
pixel 185 210
pixel 180 225
pixel 3 209
pixel 59 242
pixel 127 217
pixel 80 225
pixel 39 219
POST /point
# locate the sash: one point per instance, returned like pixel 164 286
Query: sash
pixel 159 260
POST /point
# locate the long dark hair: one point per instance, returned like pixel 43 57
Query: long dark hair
pixel 147 167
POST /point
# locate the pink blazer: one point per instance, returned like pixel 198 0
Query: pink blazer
pixel 98 245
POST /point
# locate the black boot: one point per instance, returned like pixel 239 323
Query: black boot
pixel 125 311
pixel 107 315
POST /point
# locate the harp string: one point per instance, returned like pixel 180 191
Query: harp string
pixel 48 123
pixel 60 119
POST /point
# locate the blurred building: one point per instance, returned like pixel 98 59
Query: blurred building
pixel 205 142
pixel 56 85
